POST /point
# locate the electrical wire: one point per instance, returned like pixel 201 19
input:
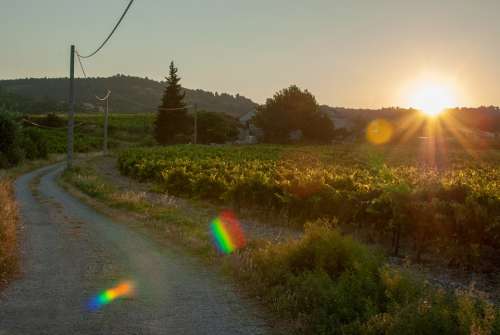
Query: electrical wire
pixel 112 32
pixel 85 75
pixel 105 97
pixel 81 64
pixel 47 127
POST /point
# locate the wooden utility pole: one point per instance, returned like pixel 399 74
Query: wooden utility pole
pixel 106 114
pixel 71 113
pixel 195 123
pixel 106 118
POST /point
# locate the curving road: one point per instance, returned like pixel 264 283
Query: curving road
pixel 71 252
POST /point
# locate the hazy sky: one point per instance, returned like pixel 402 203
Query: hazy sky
pixel 348 53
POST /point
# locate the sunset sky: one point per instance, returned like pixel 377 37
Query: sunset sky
pixel 348 53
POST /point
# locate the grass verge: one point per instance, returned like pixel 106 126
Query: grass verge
pixel 9 222
pixel 8 233
pixel 323 283
pixel 161 221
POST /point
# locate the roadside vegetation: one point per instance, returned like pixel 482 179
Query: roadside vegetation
pixel 183 227
pixel 327 283
pixel 8 233
pixel 17 144
pixel 322 283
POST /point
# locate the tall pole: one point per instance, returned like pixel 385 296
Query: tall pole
pixel 195 123
pixel 105 149
pixel 71 115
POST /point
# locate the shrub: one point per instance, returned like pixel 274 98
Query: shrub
pixel 34 144
pixel 10 134
pixel 335 285
pixel 53 120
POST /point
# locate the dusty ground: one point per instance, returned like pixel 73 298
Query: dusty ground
pixel 70 253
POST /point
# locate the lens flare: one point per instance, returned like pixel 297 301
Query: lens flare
pixel 124 289
pixel 227 233
pixel 379 131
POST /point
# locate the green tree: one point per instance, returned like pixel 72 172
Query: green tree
pixel 216 128
pixel 292 109
pixel 172 122
pixel 10 137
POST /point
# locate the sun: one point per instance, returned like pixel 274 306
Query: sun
pixel 431 96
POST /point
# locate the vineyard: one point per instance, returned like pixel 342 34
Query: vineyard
pixel 124 130
pixel 391 195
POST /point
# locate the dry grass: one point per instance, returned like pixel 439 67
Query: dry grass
pixel 8 222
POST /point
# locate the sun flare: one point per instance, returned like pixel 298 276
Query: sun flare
pixel 433 98
pixel 432 95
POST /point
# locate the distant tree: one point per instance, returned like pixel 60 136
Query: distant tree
pixel 290 110
pixel 216 128
pixel 10 137
pixel 172 122
pixel 53 120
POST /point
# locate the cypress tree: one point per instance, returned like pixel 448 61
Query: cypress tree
pixel 172 122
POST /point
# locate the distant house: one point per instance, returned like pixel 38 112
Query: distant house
pixel 249 133
pixel 247 117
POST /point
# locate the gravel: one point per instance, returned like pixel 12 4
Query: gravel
pixel 70 253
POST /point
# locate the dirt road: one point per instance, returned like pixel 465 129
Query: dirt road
pixel 71 253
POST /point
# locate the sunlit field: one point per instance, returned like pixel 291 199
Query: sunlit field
pixel 451 210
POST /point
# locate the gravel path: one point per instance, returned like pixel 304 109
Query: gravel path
pixel 70 253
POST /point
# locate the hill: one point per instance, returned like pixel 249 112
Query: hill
pixel 129 95
pixel 483 119
pixel 142 95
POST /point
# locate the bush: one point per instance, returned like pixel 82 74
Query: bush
pixel 53 120
pixel 216 128
pixel 335 285
pixel 34 144
pixel 10 134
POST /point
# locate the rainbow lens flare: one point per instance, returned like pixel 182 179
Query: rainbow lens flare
pixel 124 289
pixel 227 233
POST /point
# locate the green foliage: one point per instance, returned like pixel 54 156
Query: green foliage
pixel 334 285
pixel 10 138
pixel 172 122
pixel 35 144
pixel 216 128
pixel 454 213
pixel 53 120
pixel 88 182
pixel 292 109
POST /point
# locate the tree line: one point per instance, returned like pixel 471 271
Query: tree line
pixel 291 115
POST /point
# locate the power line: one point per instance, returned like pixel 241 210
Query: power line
pixel 105 97
pixel 81 64
pixel 47 127
pixel 110 34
